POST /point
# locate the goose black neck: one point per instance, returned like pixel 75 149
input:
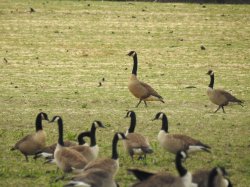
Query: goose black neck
pixel 211 84
pixel 114 148
pixel 80 138
pixel 132 123
pixel 134 71
pixel 39 122
pixel 178 164
pixel 60 131
pixel 211 177
pixel 92 136
pixel 164 123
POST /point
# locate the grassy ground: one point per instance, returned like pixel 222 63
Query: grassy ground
pixel 53 59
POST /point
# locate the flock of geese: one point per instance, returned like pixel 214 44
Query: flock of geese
pixel 82 159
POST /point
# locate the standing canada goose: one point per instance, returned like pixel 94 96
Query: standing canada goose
pixel 66 159
pixel 212 178
pixel 177 142
pixel 147 179
pixel 110 165
pixel 139 89
pixel 95 178
pixel 31 143
pixel 90 152
pixel 135 142
pixel 218 96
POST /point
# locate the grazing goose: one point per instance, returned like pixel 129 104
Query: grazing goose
pixel 31 143
pixel 163 179
pixel 95 178
pixel 90 152
pixel 48 151
pixel 177 142
pixel 135 142
pixel 66 159
pixel 139 89
pixel 110 165
pixel 218 96
pixel 212 178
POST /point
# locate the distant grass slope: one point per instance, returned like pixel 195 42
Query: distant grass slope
pixel 53 59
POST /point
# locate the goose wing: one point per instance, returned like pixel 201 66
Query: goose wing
pixel 187 140
pixel 73 159
pixel 200 177
pixel 229 96
pixel 137 140
pixel 94 178
pixel 160 180
pixel 110 165
pixel 24 139
pixel 150 90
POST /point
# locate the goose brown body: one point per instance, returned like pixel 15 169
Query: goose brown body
pixel 177 142
pixel 142 90
pixel 218 96
pixel 211 178
pixel 31 143
pixel 163 179
pixel 90 152
pixel 135 143
pixel 95 178
pixel 110 165
pixel 66 158
pixel 48 151
pixel 139 89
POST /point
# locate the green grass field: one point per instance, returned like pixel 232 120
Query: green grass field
pixel 53 59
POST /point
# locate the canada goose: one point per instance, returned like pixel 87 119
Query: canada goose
pixel 212 178
pixel 147 179
pixel 139 89
pixel 110 165
pixel 95 178
pixel 31 143
pixel 218 96
pixel 66 159
pixel 135 142
pixel 177 142
pixel 90 152
pixel 48 151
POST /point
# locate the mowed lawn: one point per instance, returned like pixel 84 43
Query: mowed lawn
pixel 53 59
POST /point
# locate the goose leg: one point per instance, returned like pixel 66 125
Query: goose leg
pixel 59 178
pixel 26 158
pixel 131 153
pixel 223 109
pixel 217 109
pixel 145 103
pixel 145 159
pixel 138 103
